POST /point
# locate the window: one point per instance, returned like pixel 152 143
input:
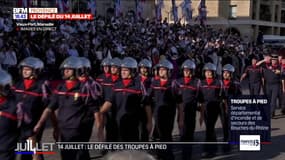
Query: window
pixel 276 13
pixel 233 12
pixel 171 18
pixel 282 16
pixel 253 9
pixel 265 13
pixel 34 2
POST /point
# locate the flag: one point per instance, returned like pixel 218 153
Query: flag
pixel 158 10
pixel 187 10
pixel 63 5
pixel 117 8
pixel 202 12
pixel 174 11
pixel 91 5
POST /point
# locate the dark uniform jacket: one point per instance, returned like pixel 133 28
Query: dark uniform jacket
pixel 8 125
pixel 31 103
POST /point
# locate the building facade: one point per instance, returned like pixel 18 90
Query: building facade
pixel 247 17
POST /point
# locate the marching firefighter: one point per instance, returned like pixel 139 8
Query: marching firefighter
pixel 230 89
pixel 188 89
pixel 32 97
pixel 126 94
pixel 144 67
pixel 210 97
pixel 164 94
pixel 73 105
pixel 106 70
pixel 94 89
pixel 109 117
pixel 144 77
pixel 272 82
pixel 154 134
pixel 8 118
pixel 254 73
pixel 103 79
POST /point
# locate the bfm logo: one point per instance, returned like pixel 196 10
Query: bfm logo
pixel 20 13
pixel 34 148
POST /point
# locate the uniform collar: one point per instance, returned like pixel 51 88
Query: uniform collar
pixel 77 85
pixel 28 83
pixel 163 82
pixel 226 82
pixel 32 86
pixel 107 75
pixel 187 80
pixel 143 78
pixel 209 81
pixel 2 100
pixel 126 82
pixel 131 83
pixel 114 78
